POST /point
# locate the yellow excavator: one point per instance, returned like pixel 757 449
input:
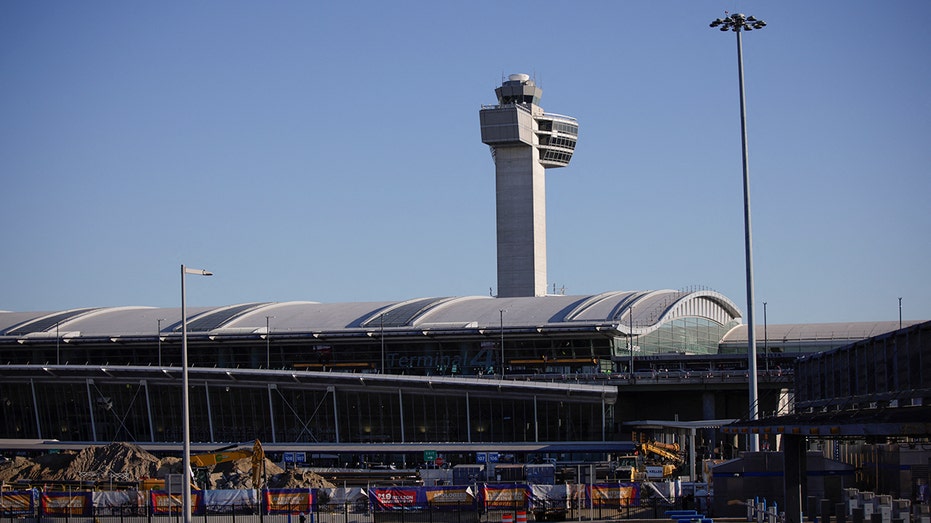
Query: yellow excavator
pixel 656 460
pixel 202 461
pixel 223 455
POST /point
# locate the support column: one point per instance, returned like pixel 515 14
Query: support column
pixel 271 411
pixel 469 418
pixel 536 422
pixel 90 408
pixel 209 410
pixel 401 413
pixel 148 409
pixel 708 412
pixel 35 407
pixel 794 476
pixel 692 457
pixel 604 419
pixel 332 390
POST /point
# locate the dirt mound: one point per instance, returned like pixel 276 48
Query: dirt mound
pixel 298 479
pixel 22 468
pixel 237 474
pixel 121 460
pixel 129 462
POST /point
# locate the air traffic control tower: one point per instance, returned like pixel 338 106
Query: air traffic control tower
pixel 524 142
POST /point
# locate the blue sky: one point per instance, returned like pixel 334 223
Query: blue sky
pixel 330 151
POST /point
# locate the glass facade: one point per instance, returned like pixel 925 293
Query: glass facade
pixel 87 410
pixel 690 335
pixel 424 370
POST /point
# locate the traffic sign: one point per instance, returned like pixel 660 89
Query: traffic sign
pixel 429 455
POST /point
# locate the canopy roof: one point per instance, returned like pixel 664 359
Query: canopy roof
pixel 620 311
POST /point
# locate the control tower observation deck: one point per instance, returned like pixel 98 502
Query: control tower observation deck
pixel 524 142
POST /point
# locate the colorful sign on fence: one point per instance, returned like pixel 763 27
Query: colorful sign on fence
pixel 613 496
pixel 16 503
pixel 67 503
pixel 421 498
pixel 394 498
pixel 505 496
pixel 164 503
pixel 459 497
pixel 288 501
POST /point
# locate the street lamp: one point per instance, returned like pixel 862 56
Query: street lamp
pixel 186 402
pixel 739 23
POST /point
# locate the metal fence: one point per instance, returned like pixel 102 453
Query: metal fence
pixel 358 512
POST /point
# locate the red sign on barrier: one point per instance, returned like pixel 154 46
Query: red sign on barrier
pixel 389 498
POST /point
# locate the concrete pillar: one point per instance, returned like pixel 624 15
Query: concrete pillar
pixel 826 508
pixel 840 513
pixel 794 476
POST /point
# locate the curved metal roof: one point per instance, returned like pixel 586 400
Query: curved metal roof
pixel 814 333
pixel 607 311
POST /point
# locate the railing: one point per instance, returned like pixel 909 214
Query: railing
pixel 655 377
pixel 363 512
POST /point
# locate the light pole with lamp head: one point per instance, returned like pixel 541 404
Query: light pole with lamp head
pixel 739 23
pixel 186 401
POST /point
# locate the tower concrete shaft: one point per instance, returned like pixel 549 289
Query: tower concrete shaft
pixel 524 142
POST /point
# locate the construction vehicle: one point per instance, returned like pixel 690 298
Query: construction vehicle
pixel 204 462
pixel 655 460
pixel 223 455
pixel 668 451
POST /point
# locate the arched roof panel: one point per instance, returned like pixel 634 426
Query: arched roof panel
pixel 606 310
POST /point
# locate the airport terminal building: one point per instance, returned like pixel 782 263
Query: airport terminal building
pixel 549 374
pixel 523 372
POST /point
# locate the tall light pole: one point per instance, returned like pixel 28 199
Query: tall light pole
pixel 381 335
pixel 186 401
pixel 739 23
